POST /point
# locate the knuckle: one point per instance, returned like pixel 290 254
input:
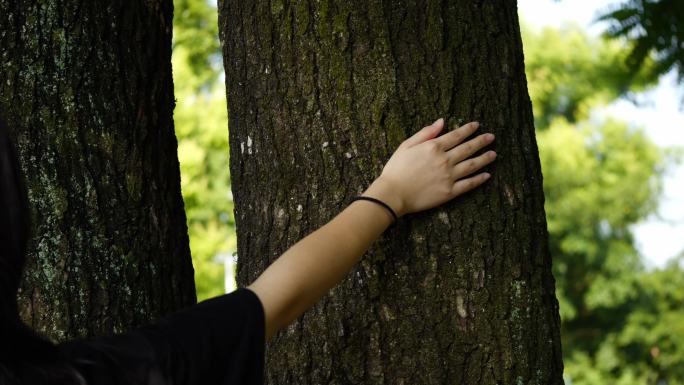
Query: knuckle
pixel 433 146
pixel 471 164
pixel 444 162
pixel 470 127
pixel 459 136
pixel 455 189
pixel 447 192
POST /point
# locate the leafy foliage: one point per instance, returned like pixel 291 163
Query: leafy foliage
pixel 195 32
pixel 652 28
pixel 597 181
pixel 600 178
pixel 201 127
pixel 569 74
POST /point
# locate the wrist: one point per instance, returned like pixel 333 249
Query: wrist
pixel 383 189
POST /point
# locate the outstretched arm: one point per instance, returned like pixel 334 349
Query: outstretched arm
pixel 424 172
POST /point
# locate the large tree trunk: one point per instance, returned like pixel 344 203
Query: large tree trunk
pixel 320 94
pixel 87 89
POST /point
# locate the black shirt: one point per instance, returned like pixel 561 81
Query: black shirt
pixel 218 341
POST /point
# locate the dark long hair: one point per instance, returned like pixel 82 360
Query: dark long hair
pixel 14 227
pixel 25 356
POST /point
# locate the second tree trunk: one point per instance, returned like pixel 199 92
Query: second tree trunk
pixel 321 93
pixel 88 94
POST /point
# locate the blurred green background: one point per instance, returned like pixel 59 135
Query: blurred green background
pixel 622 322
pixel 201 120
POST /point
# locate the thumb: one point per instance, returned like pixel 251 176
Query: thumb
pixel 427 133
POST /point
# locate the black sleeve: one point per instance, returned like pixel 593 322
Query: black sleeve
pixel 218 341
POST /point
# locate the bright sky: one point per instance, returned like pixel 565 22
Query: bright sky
pixel 661 237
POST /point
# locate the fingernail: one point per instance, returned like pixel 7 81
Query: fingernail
pixel 436 121
pixel 487 175
pixel 490 137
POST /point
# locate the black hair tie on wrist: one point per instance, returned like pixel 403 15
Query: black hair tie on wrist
pixel 378 201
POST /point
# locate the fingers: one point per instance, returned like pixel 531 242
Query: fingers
pixel 465 185
pixel 468 148
pixel 469 166
pixel 427 133
pixel 457 136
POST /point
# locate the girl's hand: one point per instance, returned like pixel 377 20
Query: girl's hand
pixel 426 171
pixel 422 173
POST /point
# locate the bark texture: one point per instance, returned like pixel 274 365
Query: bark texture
pixel 87 89
pixel 320 94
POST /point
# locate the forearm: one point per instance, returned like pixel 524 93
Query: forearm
pixel 422 173
pixel 318 262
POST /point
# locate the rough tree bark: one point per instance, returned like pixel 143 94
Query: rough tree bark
pixel 86 87
pixel 320 94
